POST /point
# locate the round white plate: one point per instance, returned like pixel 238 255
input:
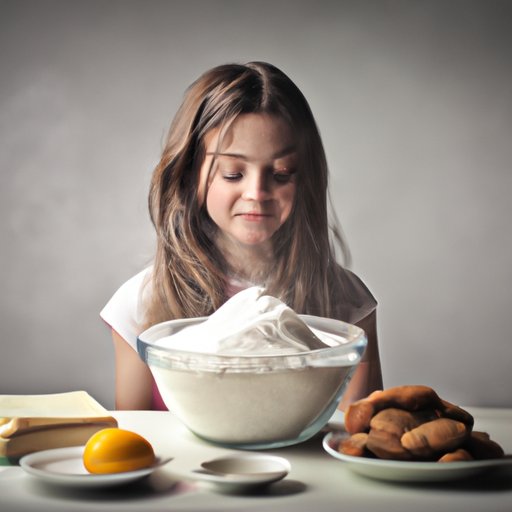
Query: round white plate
pixel 405 471
pixel 64 466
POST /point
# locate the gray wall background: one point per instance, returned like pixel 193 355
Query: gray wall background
pixel 414 102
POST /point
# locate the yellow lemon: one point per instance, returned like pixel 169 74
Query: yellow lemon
pixel 114 450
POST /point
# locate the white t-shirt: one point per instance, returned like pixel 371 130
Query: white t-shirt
pixel 124 312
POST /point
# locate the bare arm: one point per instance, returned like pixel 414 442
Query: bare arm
pixel 368 375
pixel 133 377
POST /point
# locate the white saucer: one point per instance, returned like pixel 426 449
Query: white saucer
pixel 237 472
pixel 409 471
pixel 64 466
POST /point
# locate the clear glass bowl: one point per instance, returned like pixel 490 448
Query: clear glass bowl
pixel 254 402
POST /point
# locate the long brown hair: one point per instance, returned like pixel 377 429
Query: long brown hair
pixel 190 274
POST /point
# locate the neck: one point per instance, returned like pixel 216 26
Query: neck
pixel 246 262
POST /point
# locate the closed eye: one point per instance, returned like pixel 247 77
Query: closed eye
pixel 283 177
pixel 232 176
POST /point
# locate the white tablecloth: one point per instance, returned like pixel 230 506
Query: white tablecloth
pixel 317 482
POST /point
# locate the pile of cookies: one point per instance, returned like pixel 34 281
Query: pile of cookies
pixel 413 423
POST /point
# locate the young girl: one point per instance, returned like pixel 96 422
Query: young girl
pixel 239 198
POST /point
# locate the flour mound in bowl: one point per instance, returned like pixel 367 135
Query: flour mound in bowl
pixel 250 323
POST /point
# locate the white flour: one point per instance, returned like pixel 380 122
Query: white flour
pixel 250 323
pixel 248 408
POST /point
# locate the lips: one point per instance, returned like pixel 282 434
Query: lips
pixel 254 216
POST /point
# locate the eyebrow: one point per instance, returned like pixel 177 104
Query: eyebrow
pixel 280 154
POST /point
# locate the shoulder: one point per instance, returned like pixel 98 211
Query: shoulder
pixel 135 283
pixel 354 297
pixel 124 311
pixel 130 292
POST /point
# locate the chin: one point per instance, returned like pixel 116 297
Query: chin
pixel 255 241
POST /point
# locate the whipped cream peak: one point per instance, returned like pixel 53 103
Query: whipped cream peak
pixel 249 323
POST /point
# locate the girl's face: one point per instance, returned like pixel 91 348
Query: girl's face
pixel 248 177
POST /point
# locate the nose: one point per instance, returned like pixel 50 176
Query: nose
pixel 256 187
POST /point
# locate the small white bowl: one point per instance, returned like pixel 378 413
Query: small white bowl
pixel 243 471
